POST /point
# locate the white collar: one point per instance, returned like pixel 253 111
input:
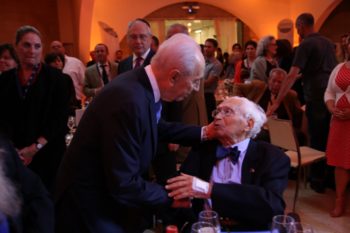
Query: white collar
pixel 134 57
pixel 153 81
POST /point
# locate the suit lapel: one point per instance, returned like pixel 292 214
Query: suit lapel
pixel 250 163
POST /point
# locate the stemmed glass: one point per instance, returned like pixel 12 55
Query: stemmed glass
pixel 302 228
pixel 202 227
pixel 71 126
pixel 212 217
pixel 282 224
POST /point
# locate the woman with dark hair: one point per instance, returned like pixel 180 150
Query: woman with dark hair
pixel 242 69
pixel 36 102
pixel 8 58
pixel 337 98
pixel 265 60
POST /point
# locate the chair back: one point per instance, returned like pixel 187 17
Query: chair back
pixel 282 134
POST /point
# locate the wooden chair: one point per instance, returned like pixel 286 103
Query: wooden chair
pixel 282 135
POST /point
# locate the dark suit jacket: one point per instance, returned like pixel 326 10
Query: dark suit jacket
pixel 258 198
pixel 43 112
pixel 37 212
pixel 126 64
pixel 100 182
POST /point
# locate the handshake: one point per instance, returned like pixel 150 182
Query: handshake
pixel 184 188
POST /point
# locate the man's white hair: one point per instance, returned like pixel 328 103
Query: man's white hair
pixel 10 203
pixel 249 110
pixel 180 52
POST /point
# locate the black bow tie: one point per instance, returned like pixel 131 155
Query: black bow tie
pixel 232 153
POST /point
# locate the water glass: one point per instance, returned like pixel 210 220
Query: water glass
pixel 282 224
pixel 302 228
pixel 202 227
pixel 212 217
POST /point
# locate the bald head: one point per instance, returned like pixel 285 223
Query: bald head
pixel 57 47
pixel 178 66
pixel 176 28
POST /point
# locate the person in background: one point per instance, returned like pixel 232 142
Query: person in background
pixel 241 179
pixel 102 184
pixel 37 104
pixel 118 56
pixel 212 73
pixel 73 67
pixel 243 67
pixel 25 204
pixel 265 60
pixel 155 43
pixel 337 99
pixel 315 59
pixel 139 39
pixel 100 74
pixel 8 58
pixel 56 60
pixel 219 55
pixel 93 57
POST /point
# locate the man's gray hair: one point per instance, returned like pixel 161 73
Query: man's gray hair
pixel 10 202
pixel 263 45
pixel 24 30
pixel 132 23
pixel 180 52
pixel 250 110
pixel 278 70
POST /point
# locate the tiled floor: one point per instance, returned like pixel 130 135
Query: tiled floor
pixel 314 208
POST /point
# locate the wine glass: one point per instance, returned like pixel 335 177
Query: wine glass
pixel 302 228
pixel 282 224
pixel 210 216
pixel 202 227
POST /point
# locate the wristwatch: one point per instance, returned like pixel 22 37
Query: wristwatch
pixel 38 145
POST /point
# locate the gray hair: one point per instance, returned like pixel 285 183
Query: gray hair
pixel 263 45
pixel 132 23
pixel 278 70
pixel 176 28
pixel 22 31
pixel 180 52
pixel 10 202
pixel 250 110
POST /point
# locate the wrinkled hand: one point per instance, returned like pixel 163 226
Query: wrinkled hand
pixel 26 154
pixel 173 147
pixel 182 203
pixel 186 186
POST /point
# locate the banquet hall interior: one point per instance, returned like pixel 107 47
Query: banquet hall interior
pixel 81 24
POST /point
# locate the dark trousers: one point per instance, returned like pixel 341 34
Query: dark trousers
pixel 318 126
pixel 210 103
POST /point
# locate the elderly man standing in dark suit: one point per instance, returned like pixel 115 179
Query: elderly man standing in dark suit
pixel 101 185
pixel 139 39
pixel 241 179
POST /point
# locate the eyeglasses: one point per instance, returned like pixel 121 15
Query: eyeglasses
pixel 224 111
pixel 142 37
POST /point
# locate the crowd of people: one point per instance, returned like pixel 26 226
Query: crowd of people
pixel 154 110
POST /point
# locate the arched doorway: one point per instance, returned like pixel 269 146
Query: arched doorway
pixel 203 20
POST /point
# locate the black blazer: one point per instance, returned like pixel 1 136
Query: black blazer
pixel 126 64
pixel 264 178
pixel 37 212
pixel 103 169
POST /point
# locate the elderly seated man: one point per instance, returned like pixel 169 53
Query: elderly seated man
pixel 243 180
pixel 265 94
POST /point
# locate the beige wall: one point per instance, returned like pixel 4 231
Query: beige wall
pixel 261 16
pixel 41 14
